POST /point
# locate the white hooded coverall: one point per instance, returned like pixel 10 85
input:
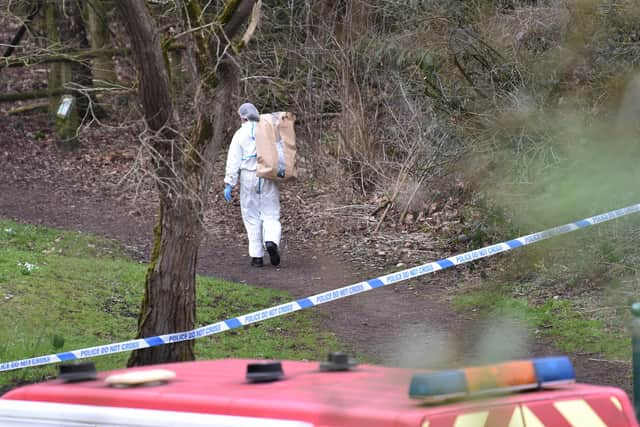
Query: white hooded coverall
pixel 259 197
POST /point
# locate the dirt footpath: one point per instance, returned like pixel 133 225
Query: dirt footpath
pixel 408 324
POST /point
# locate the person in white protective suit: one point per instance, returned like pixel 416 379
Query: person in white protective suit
pixel 259 197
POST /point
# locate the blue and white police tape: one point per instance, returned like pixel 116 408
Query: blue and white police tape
pixel 320 298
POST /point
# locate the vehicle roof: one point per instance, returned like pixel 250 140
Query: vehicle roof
pixel 366 396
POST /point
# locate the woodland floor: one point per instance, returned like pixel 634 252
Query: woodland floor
pixel 409 324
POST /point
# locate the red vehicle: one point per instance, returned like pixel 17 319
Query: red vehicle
pixel 538 392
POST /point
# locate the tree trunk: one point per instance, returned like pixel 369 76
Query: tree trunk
pixel 59 74
pixel 103 68
pixel 169 304
pixel 184 172
pixel 169 301
pixel 73 34
pixel 53 85
pixel 65 28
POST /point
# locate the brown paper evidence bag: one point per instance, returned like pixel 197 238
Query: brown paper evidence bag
pixel 276 147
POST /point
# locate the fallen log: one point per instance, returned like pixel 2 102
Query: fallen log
pixel 71 56
pixel 45 93
pixel 42 106
pixel 34 94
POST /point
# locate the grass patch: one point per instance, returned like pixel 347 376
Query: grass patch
pixel 62 291
pixel 556 319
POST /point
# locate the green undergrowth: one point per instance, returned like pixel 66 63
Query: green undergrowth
pixel 557 320
pixel 62 291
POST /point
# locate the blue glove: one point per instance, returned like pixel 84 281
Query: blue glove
pixel 227 192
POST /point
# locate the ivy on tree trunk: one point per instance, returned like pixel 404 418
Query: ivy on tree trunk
pixel 184 169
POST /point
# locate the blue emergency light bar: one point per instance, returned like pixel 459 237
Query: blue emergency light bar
pixel 490 379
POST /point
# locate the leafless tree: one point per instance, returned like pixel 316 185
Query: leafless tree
pixel 183 165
